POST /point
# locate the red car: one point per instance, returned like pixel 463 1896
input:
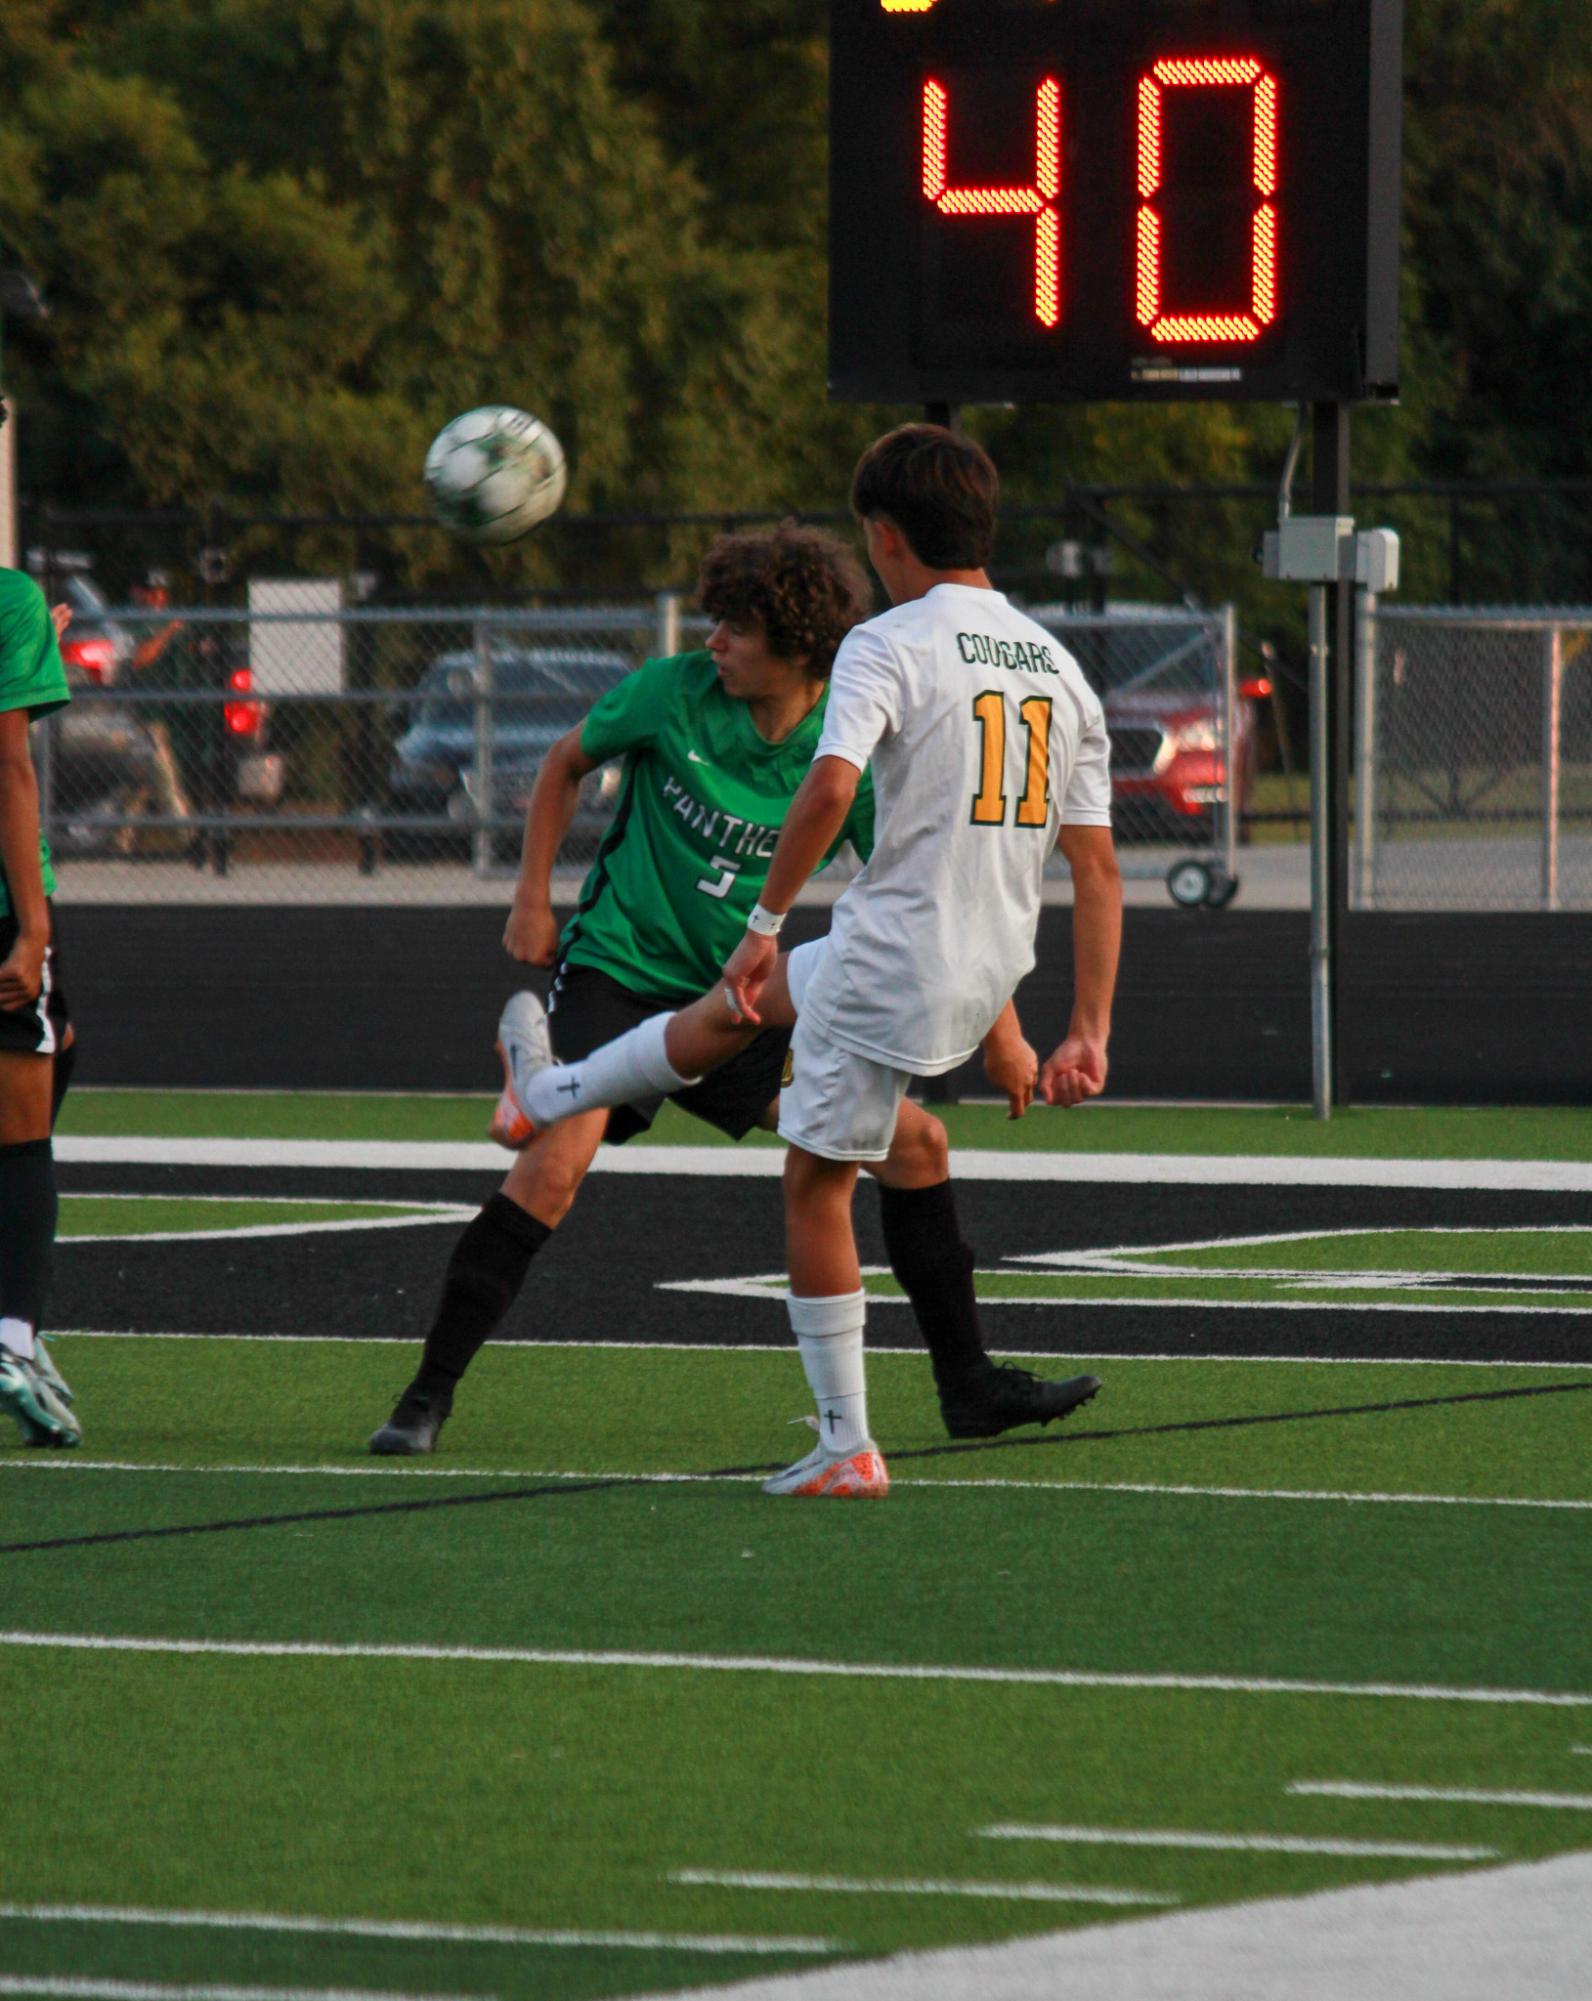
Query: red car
pixel 1168 764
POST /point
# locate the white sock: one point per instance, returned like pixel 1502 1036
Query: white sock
pixel 829 1334
pixel 17 1335
pixel 631 1067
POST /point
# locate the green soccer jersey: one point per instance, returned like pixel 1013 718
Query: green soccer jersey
pixel 700 807
pixel 31 675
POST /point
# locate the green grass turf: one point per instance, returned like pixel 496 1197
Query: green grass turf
pixel 564 1796
pixel 569 1796
pixel 142 1215
pixel 145 1954
pixel 529 1409
pixel 1509 1133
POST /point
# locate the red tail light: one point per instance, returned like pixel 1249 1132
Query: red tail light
pixel 94 657
pixel 243 718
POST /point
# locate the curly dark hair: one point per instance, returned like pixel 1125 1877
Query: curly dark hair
pixel 804 586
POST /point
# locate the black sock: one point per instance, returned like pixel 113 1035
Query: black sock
pixel 60 1083
pixel 27 1228
pixel 934 1268
pixel 485 1274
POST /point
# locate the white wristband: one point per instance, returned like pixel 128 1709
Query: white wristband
pixel 766 923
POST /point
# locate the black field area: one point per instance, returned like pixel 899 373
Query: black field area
pixel 1210 1004
pixel 600 1278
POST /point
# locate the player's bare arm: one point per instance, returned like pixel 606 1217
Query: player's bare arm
pixel 1076 1068
pixel 22 969
pixel 531 934
pixel 1011 1063
pixel 813 824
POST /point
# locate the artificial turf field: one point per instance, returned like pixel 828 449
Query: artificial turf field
pixel 572 1709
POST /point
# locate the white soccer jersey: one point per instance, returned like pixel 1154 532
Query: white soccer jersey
pixel 984 738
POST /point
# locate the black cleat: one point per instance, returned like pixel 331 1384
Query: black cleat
pixel 417 1417
pixel 1003 1396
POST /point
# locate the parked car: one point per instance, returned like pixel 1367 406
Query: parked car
pixel 539 693
pixel 115 759
pixel 1168 761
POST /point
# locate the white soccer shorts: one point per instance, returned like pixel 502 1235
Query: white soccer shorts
pixel 838 1105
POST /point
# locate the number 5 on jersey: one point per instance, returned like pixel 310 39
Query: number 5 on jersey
pixel 989 802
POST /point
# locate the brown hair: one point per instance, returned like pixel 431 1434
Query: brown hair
pixel 803 586
pixel 941 490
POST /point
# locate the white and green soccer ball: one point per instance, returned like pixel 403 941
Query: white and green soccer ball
pixel 494 473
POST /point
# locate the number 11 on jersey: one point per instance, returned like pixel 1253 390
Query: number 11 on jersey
pixel 989 802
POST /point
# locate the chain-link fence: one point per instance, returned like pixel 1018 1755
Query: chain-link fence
pixel 1179 726
pixel 299 752
pixel 1473 776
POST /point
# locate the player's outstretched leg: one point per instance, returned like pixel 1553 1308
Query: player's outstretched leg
pixel 933 1265
pixel 664 1054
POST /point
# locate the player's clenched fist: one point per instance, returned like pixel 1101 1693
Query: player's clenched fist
pixel 531 936
pixel 746 974
pixel 1075 1070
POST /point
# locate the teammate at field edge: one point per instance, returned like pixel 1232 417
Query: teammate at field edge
pixel 715 745
pixel 985 746
pixel 36 1041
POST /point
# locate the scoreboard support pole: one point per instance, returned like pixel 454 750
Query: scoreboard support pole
pixel 947 415
pixel 1331 683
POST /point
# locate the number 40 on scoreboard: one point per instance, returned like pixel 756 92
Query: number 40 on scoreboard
pixel 1106 200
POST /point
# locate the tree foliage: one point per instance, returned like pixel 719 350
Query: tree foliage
pixel 283 240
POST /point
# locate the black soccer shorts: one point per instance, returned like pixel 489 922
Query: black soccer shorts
pixel 40 1028
pixel 586 1008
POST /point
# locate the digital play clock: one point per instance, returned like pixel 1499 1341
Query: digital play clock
pixel 1038 200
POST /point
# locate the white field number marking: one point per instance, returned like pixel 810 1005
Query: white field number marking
pixel 1347 1789
pixel 878 1886
pixel 1253 1844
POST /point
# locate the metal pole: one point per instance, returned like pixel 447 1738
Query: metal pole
pixel 1320 863
pixel 484 786
pixel 1329 798
pixel 1230 729
pixel 667 604
pixel 1552 703
pixel 1365 692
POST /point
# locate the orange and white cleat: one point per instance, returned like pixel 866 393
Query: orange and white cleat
pixel 524 1049
pixel 510 1127
pixel 850 1476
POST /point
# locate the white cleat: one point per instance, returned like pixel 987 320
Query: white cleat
pixel 843 1476
pixel 525 1049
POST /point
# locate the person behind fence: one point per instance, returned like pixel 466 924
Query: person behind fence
pixel 715 744
pixel 36 1041
pixel 157 664
pixel 986 746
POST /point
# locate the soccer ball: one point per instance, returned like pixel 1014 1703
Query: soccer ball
pixel 494 473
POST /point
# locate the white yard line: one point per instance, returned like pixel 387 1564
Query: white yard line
pixel 1541 1698
pixel 772 1286
pixel 1127 1257
pixel 1024 1355
pixel 1348 1789
pixel 35 1463
pixel 407 1928
pixel 882 1886
pixel 221 1233
pixel 766 1163
pixel 144 1990
pixel 1249 1844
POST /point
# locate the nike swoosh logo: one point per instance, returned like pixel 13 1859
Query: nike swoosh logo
pixel 692 758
